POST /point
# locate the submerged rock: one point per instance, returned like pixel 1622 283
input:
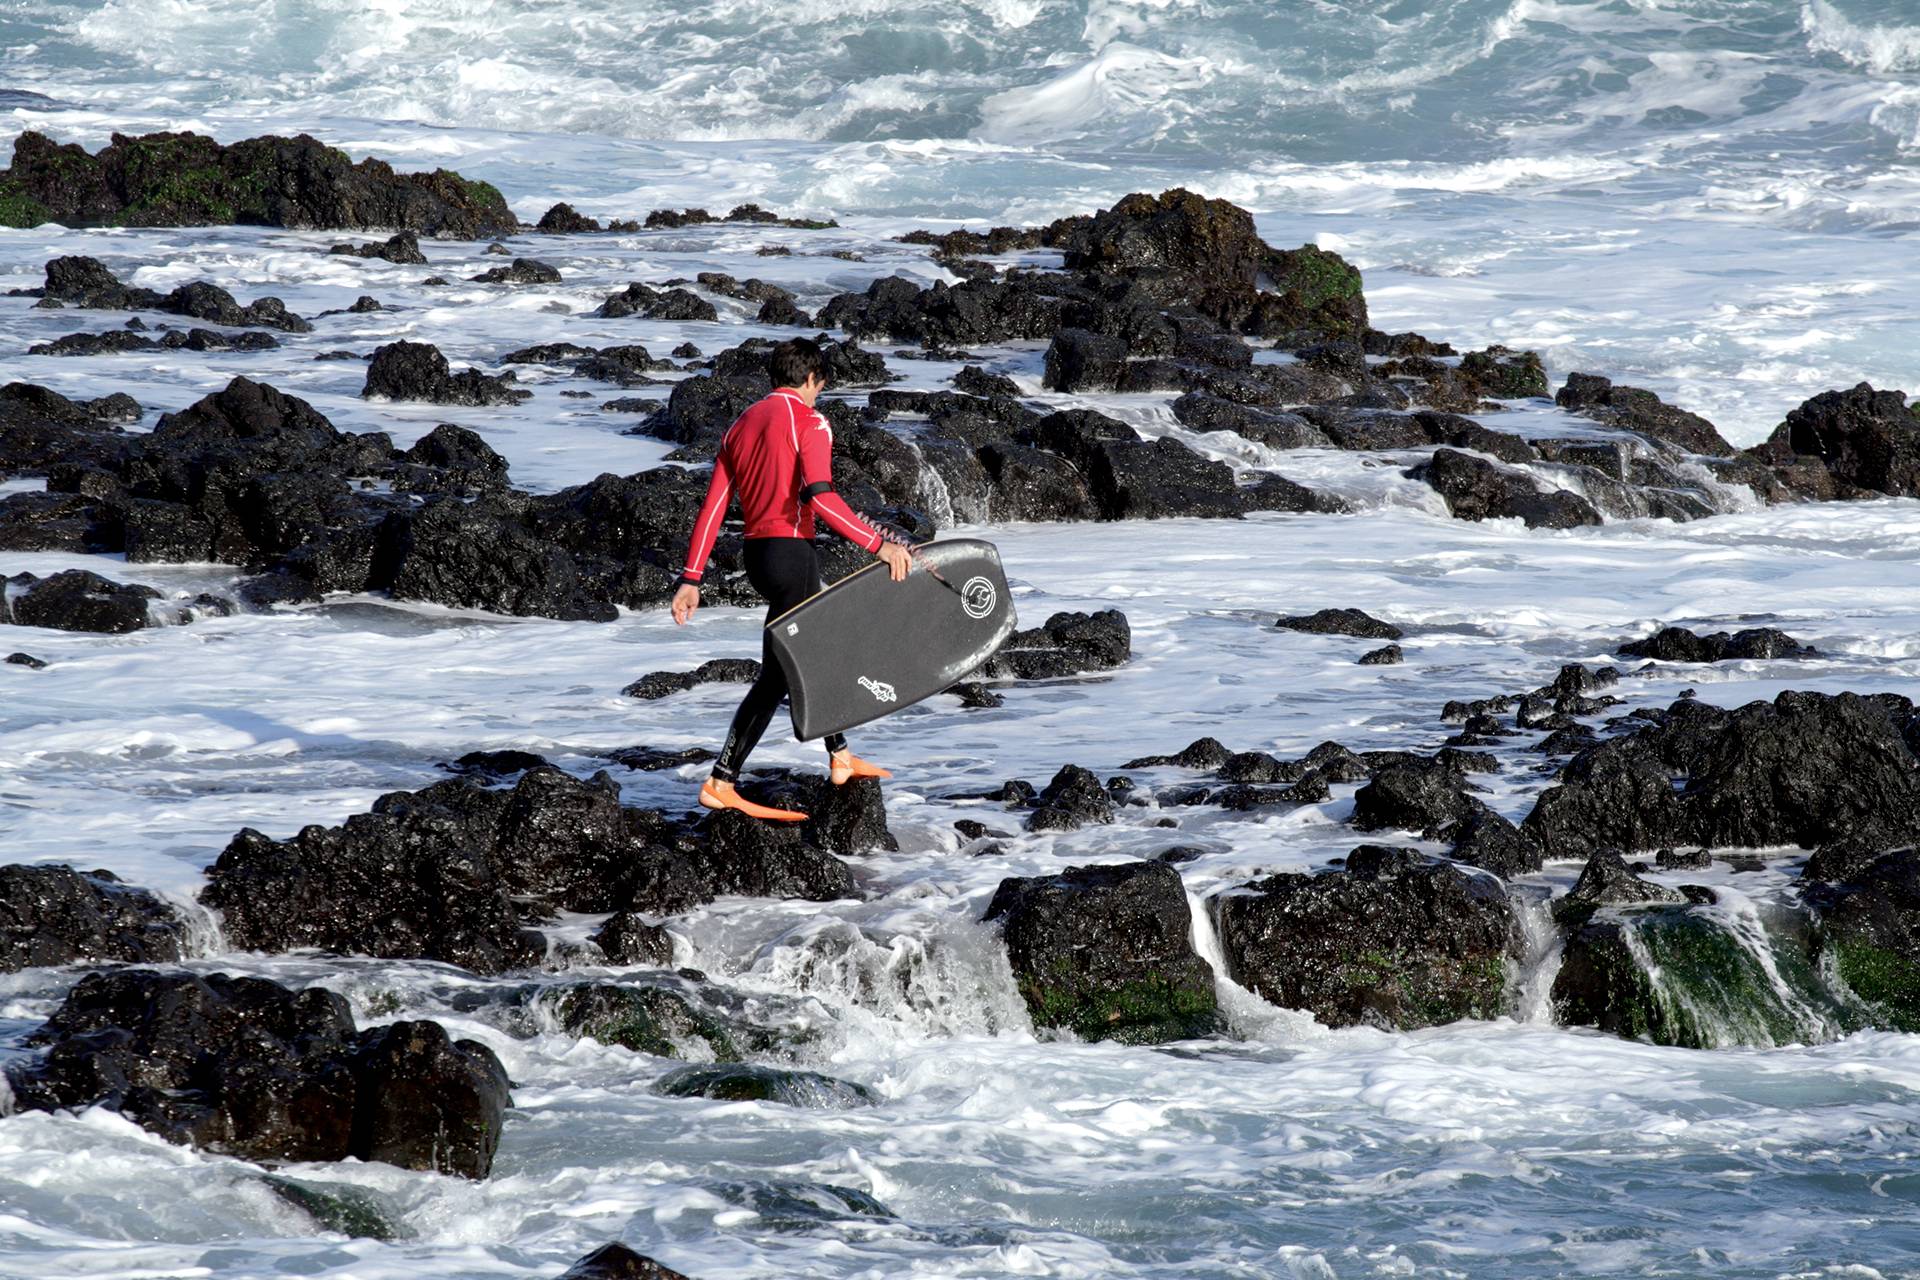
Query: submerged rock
pixel 660 684
pixel 646 1019
pixel 186 180
pixel 617 1262
pixel 247 1067
pixel 1106 953
pixel 53 915
pixel 85 282
pixel 402 248
pixel 80 600
pixel 1066 644
pixel 742 1082
pixel 1342 622
pixel 1393 940
pixel 1606 881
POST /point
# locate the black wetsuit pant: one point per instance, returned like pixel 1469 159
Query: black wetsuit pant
pixel 785 571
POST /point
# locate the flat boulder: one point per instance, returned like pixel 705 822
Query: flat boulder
pixel 1392 940
pixel 1106 952
pixel 249 1068
pixel 188 180
pixel 1341 622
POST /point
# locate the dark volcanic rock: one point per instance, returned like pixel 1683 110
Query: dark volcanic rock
pixel 1202 753
pixel 1428 796
pixel 55 915
pixel 84 282
pixel 645 1019
pixel 745 1082
pixel 1066 644
pixel 656 304
pixel 660 684
pixel 417 371
pixel 1869 926
pixel 402 248
pixel 627 939
pixel 479 556
pixel 521 271
pixel 1072 800
pixel 450 873
pixel 1106 953
pixel 769 860
pixel 1342 622
pixel 185 180
pixel 1476 489
pixel 1489 841
pixel 1633 409
pixel 616 1261
pixel 1393 941
pixel 81 600
pixel 1806 769
pixel 246 1067
pixel 1677 644
pixel 1862 441
pixel 1607 881
pixel 1387 656
pixel 1081 361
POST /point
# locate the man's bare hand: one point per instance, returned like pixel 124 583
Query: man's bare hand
pixel 899 559
pixel 685 601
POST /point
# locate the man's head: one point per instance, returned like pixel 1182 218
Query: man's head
pixel 800 364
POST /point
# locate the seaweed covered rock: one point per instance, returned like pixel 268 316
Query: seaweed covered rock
pixel 1869 930
pixel 746 1082
pixel 247 1067
pixel 1106 952
pixel 1392 940
pixel 187 180
pixel 646 1019
pixel 55 915
pixel 417 371
pixel 1677 644
pixel 1806 769
pixel 1607 881
pixel 1677 976
pixel 1183 248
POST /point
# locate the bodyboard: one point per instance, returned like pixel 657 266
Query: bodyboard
pixel 867 646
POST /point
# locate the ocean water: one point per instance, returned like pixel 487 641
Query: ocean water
pixel 1715 199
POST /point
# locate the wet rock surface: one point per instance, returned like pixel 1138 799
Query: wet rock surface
pixel 1391 940
pixel 1677 644
pixel 1806 769
pixel 247 1067
pixel 617 1262
pixel 56 915
pixel 187 180
pixel 1105 953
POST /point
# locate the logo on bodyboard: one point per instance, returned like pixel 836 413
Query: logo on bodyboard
pixel 978 597
pixel 881 691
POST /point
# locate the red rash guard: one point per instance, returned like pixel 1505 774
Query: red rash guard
pixel 771 453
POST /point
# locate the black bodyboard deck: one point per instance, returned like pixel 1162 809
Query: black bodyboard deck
pixel 867 646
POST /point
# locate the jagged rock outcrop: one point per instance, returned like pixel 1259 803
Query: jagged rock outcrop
pixel 249 1068
pixel 54 915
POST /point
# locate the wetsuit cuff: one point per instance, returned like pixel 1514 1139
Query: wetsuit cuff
pixel 688 580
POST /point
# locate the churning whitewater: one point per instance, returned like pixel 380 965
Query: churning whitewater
pixel 1709 199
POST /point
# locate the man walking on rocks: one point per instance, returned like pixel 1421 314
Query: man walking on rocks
pixel 777 458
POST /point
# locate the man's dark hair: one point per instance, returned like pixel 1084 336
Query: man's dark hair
pixel 795 360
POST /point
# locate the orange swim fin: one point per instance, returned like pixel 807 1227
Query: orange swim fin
pixel 722 796
pixel 855 767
